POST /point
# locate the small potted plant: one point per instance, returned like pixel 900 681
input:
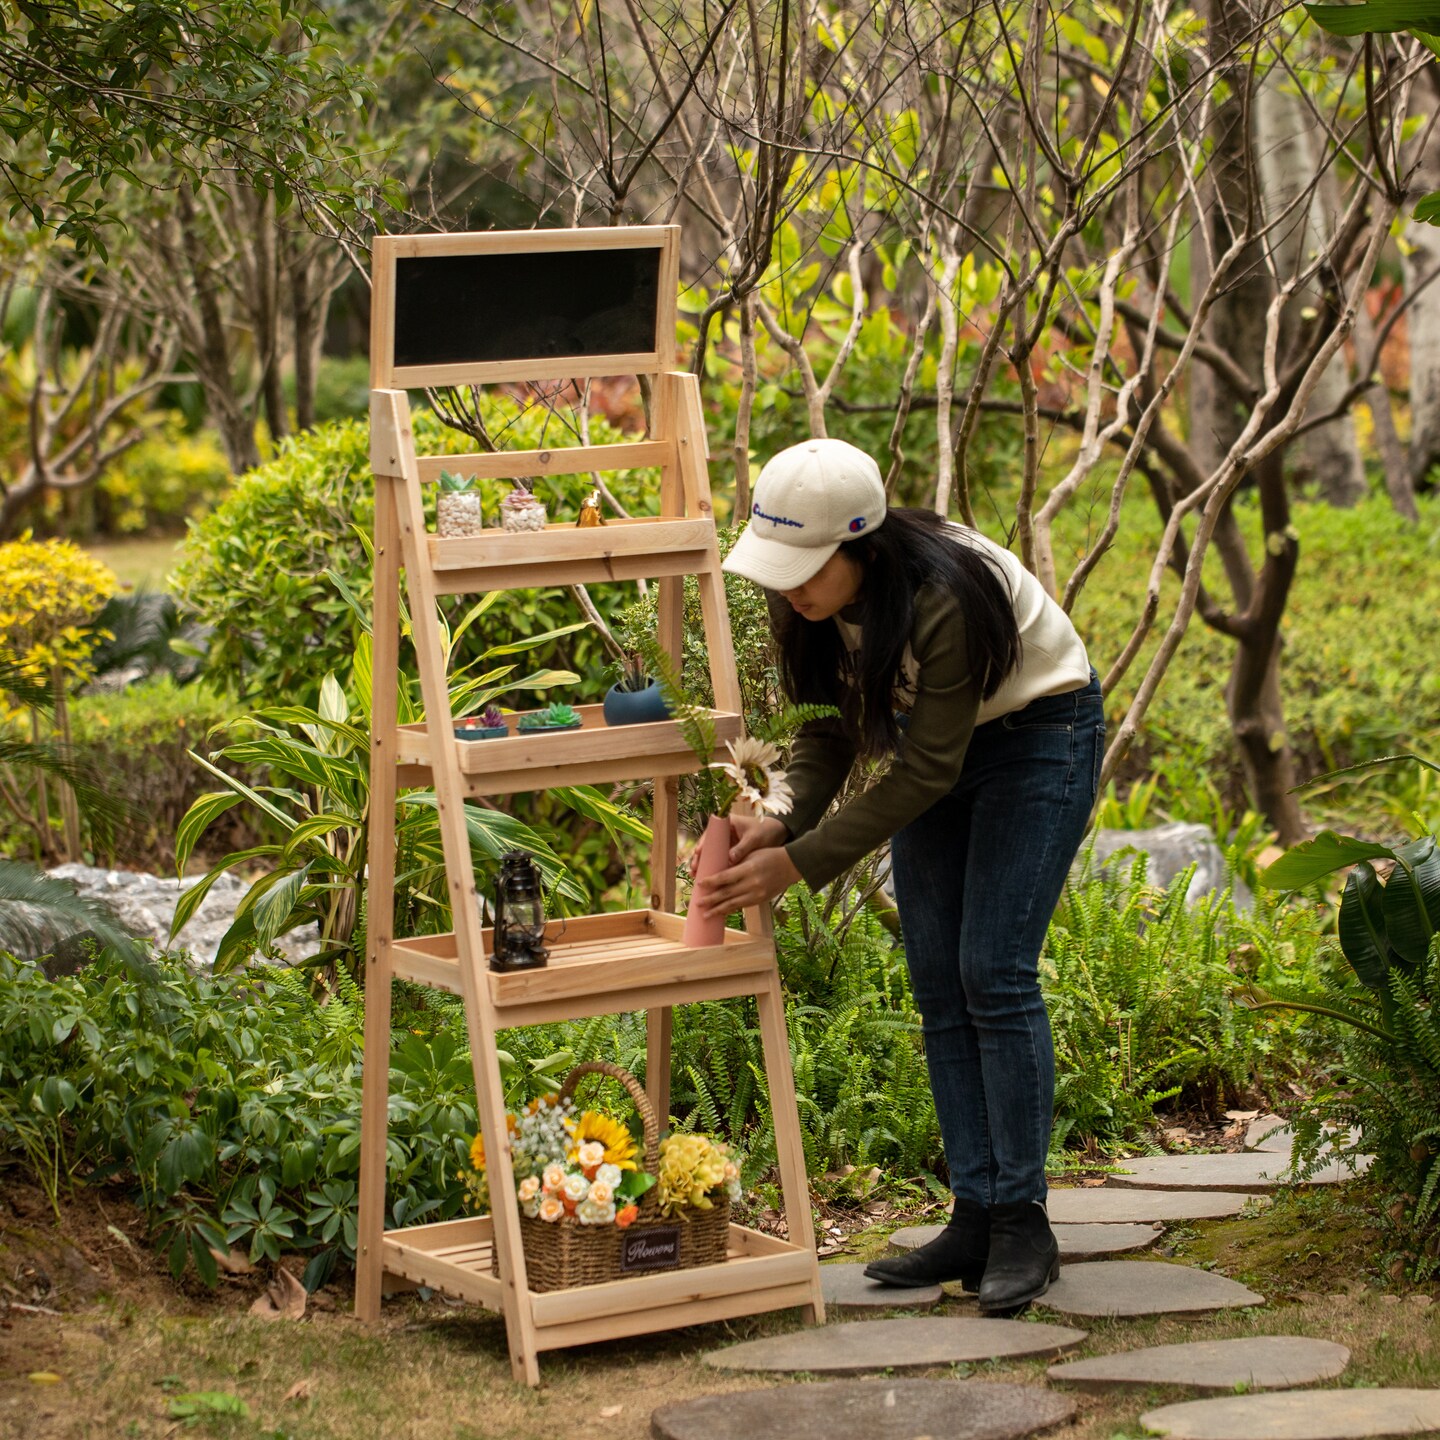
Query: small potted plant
pixel 489 724
pixel 457 511
pixel 635 698
pixel 520 510
pixel 558 716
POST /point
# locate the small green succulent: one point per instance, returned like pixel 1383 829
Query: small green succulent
pixel 452 484
pixel 551 718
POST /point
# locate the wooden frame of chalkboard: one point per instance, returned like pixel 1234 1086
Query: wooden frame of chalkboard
pixel 463 309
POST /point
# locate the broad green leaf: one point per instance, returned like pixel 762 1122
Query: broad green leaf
pixel 1377 17
pixel 272 911
pixel 253 796
pixel 1311 860
pixel 1362 926
pixel 1412 899
pixel 197 819
pixel 586 800
pixel 1427 208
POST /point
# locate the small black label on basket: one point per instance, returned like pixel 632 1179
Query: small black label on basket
pixel 657 1248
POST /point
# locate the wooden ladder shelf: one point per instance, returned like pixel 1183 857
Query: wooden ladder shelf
pixel 633 960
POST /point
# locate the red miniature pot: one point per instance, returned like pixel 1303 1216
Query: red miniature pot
pixel 702 930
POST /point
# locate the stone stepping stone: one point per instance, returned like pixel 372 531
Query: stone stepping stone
pixel 846 1286
pixel 867 1410
pixel 1252 1171
pixel 1260 1362
pixel 1105 1206
pixel 1269 1133
pixel 1077 1242
pixel 896 1344
pixel 1142 1287
pixel 1301 1415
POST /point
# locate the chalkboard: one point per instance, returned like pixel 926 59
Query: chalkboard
pixel 533 305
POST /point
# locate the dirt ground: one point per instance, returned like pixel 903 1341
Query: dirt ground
pixel 97 1341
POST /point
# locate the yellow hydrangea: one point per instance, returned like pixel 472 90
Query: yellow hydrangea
pixel 691 1166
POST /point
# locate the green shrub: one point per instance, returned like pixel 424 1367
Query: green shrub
pixel 168 478
pixel 138 740
pixel 229 1106
pixel 255 568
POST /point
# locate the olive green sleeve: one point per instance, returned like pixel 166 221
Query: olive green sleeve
pixel 820 759
pixel 942 718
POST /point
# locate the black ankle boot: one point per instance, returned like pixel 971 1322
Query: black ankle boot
pixel 957 1253
pixel 1024 1257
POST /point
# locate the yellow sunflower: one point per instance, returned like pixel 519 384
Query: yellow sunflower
pixel 620 1147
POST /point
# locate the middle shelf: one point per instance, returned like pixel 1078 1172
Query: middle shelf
pixel 599 965
pixel 539 760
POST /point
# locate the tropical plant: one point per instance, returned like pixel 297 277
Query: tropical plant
pixel 1387 1090
pixel 319 799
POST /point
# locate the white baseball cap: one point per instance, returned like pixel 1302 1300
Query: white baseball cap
pixel 809 499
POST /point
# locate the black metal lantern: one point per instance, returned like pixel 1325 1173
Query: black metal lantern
pixel 519 915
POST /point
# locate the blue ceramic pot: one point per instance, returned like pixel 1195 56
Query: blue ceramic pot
pixel 545 729
pixel 635 707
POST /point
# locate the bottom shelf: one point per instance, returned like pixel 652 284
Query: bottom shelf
pixel 760 1273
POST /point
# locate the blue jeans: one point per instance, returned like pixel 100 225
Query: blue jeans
pixel 977 878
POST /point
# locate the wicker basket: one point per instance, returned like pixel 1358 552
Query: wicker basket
pixel 562 1254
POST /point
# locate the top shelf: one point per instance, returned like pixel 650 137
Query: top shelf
pixel 565 554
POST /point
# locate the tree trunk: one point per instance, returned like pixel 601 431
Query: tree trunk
pixel 1329 455
pixel 1423 321
pixel 1237 327
pixel 1382 417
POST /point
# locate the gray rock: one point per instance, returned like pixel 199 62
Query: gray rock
pixel 846 1286
pixel 1253 1171
pixel 1171 848
pixel 896 1344
pixel 1142 1287
pixel 866 1410
pixel 1301 1415
pixel 1077 1242
pixel 1106 1206
pixel 145 905
pixel 1259 1362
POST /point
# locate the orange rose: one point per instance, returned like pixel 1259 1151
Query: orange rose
pixel 625 1218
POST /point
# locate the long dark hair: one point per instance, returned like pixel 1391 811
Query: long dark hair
pixel 912 548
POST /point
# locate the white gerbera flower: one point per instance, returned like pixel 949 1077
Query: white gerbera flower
pixel 754 770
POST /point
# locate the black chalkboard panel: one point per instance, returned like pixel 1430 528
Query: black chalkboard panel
pixel 536 305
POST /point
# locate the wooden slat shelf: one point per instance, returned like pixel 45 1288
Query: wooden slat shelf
pixel 564 554
pixel 593 754
pixel 628 961
pixel 599 965
pixel 454 1257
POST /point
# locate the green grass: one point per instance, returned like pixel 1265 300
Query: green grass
pixel 141 564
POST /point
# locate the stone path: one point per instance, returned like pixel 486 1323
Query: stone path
pixel 867 1410
pixel 1301 1415
pixel 1106 1206
pixel 1130 1211
pixel 1139 1287
pixel 846 1286
pixel 1260 1362
pixel 896 1344
pixel 1077 1242
pixel 1255 1172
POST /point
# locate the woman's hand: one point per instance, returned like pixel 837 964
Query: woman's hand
pixel 751 832
pixel 765 872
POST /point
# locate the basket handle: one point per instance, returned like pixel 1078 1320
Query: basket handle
pixel 643 1106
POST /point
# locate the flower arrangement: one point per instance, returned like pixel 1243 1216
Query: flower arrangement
pixel 567 1162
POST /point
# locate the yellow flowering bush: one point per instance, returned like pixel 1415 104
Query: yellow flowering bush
pixel 50 593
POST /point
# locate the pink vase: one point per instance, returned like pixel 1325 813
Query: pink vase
pixel 701 930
